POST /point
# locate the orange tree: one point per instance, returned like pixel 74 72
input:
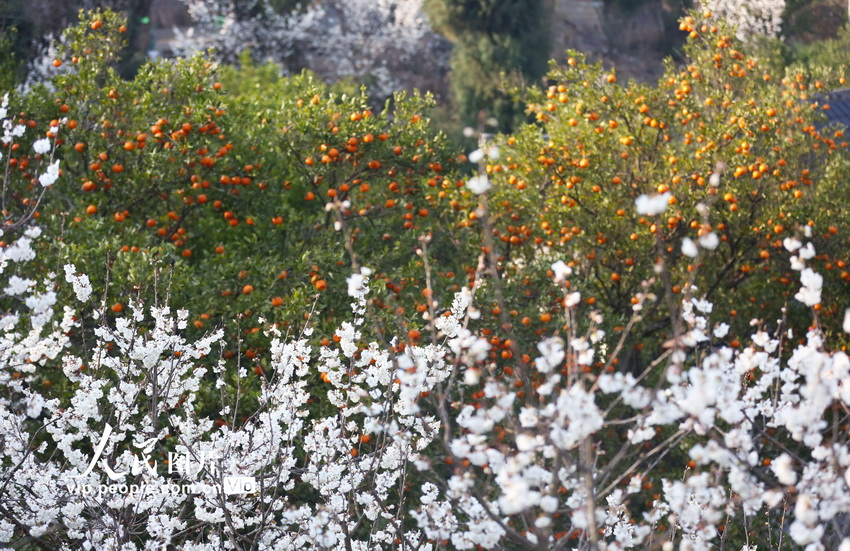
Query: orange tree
pixel 239 194
pixel 741 155
pixel 228 175
pixel 260 191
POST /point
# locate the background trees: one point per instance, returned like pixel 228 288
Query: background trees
pixel 381 44
pixel 492 39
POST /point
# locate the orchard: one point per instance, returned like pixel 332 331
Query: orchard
pixel 243 310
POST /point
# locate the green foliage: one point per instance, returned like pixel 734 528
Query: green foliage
pixel 9 63
pixel 492 39
pixel 813 21
pixel 16 36
pixel 571 181
pixel 219 181
pixel 832 53
pixel 248 195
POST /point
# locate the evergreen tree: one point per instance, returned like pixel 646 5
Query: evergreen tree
pixel 492 38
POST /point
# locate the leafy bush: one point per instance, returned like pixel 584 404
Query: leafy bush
pixel 259 277
pixel 734 159
pixel 230 182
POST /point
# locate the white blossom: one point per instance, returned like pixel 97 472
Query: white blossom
pixel 52 174
pixel 41 146
pixel 689 248
pixel 751 18
pixel 479 184
pixel 652 205
pixel 709 241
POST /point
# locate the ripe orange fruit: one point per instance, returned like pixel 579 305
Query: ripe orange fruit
pixel 277 301
pixel 247 290
pixel 545 317
pixel 57 62
pixel 91 209
pixel 414 334
pixel 95 25
pixel 117 307
pixel 186 253
pixel 219 249
pixel 321 285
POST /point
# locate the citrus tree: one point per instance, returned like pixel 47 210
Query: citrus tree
pixel 262 191
pixel 242 180
pixel 621 179
pixel 242 195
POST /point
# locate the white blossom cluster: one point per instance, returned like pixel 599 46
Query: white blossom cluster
pixel 752 18
pixel 421 447
pixel 337 39
pixel 40 69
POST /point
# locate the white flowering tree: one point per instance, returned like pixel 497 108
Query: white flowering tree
pixel 380 43
pixel 752 18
